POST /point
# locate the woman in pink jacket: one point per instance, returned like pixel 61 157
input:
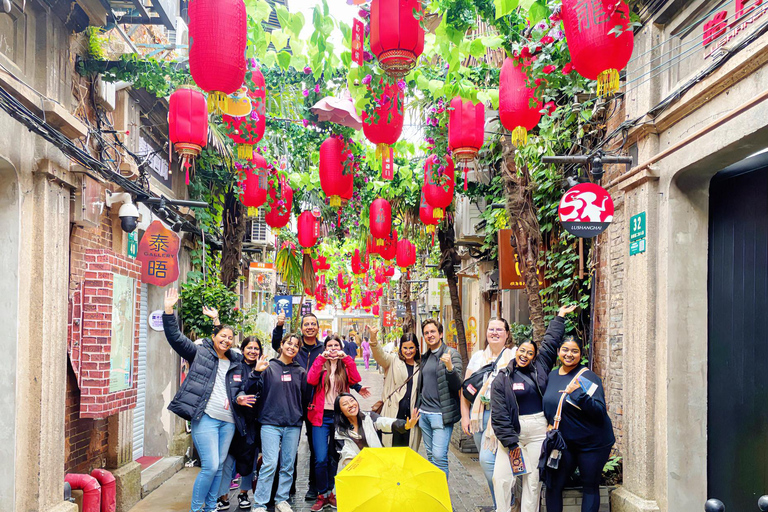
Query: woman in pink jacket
pixel 332 373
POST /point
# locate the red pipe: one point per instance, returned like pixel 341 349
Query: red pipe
pixel 108 489
pixel 91 490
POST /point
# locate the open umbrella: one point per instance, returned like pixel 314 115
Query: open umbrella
pixel 338 110
pixel 391 480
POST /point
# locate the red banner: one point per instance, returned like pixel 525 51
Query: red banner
pixel 388 319
pixel 159 255
pixel 358 32
pixel 388 163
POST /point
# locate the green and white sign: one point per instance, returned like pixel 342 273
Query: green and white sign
pixel 133 245
pixel 636 247
pixel 637 227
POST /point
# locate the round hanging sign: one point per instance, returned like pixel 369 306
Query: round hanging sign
pixel 155 320
pixel 586 210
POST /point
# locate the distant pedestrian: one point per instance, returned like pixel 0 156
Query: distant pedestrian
pixel 350 347
pixel 399 395
pixel 356 429
pixel 280 384
pixel 366 346
pixel 206 398
pixel 438 393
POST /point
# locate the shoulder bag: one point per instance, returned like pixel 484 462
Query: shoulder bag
pixel 379 405
pixel 474 383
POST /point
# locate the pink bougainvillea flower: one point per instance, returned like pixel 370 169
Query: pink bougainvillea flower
pixel 305 122
pixel 548 69
pixel 367 56
pixel 547 40
pixel 550 107
pixel 567 68
pixel 317 88
pixel 307 70
pixel 305 93
pixel 401 85
pixel 525 52
pixel 367 79
pixel 556 16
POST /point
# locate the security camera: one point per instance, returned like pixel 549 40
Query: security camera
pixel 129 214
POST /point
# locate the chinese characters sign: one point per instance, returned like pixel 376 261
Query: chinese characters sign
pixel 159 255
pixel 510 275
pixel 721 28
pixel 357 42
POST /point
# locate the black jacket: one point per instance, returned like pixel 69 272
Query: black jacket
pixel 504 412
pixel 191 399
pixel 280 388
pixel 448 383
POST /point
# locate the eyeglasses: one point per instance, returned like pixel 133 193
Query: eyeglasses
pixel 497 330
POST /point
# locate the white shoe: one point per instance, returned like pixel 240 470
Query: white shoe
pixel 283 506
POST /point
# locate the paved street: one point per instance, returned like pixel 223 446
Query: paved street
pixel 467 484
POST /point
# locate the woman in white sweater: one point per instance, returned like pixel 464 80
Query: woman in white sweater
pixel 400 378
pixel 356 429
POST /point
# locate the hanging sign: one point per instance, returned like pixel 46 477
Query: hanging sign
pixel 388 163
pixel 358 32
pixel 284 304
pixel 388 319
pixel 133 245
pixel 586 210
pixel 510 275
pixel 155 320
pixel 159 255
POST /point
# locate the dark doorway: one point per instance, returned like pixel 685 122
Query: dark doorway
pixel 737 409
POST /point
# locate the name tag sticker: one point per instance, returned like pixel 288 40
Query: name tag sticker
pixel 518 386
pixel 237 377
pixel 286 377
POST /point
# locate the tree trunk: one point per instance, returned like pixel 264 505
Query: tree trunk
pixel 409 324
pixel 233 219
pixel 524 222
pixel 448 260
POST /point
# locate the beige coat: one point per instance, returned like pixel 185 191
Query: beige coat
pixel 395 374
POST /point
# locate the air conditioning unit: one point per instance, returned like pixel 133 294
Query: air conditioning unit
pixel 106 94
pixel 259 232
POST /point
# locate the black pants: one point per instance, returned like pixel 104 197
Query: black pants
pixel 590 466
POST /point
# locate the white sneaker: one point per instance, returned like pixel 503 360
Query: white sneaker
pixel 283 506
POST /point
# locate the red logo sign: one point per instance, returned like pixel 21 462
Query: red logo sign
pixel 586 210
pixel 357 41
pixel 159 255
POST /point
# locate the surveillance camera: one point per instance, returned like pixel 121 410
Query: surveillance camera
pixel 129 214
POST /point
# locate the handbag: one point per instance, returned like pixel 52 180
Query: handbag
pixel 379 405
pixel 474 383
pixel 554 444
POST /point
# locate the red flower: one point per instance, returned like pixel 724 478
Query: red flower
pixel 547 40
pixel 556 16
pixel 567 68
pixel 539 81
pixel 550 107
pixel 525 52
pixel 548 69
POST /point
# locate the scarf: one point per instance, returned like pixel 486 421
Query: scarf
pixel 476 415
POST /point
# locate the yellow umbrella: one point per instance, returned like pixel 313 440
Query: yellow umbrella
pixel 391 480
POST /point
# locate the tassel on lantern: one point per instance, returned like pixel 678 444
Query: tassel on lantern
pixel 608 82
pixel 216 102
pixel 253 212
pixel 438 213
pixel 244 151
pixel 335 202
pixel 519 137
pixel 465 177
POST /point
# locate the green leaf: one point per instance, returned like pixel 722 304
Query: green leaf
pixel 269 59
pixel 477 48
pixel 492 42
pixel 504 7
pixel 434 85
pixel 297 47
pixel 346 33
pixel 537 12
pixel 297 23
pixel 258 10
pixel 279 39
pixel 526 4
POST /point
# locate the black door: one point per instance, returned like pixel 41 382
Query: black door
pixel 737 409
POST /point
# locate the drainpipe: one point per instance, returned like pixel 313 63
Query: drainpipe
pixel 108 489
pixel 91 490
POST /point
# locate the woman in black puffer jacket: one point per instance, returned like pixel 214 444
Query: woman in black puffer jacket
pixel 206 398
pixel 517 414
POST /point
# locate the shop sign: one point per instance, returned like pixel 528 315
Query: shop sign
pixel 155 320
pixel 159 255
pixel 586 210
pixel 435 289
pixel 306 308
pixel 284 304
pixel 388 319
pixel 721 29
pixel 133 245
pixel 510 276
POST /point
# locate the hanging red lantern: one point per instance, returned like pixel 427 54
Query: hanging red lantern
pixel 406 253
pixel 466 129
pixel 281 204
pixel 426 214
pixel 375 310
pixel 380 215
pixel 321 265
pixel 439 183
pixel 217 40
pixel 385 126
pixel 397 38
pixel 333 180
pixel 341 282
pixel 254 184
pixel 388 251
pixel 380 278
pixel 515 110
pixel 308 227
pixel 597 53
pixel 187 125
pixel 248 130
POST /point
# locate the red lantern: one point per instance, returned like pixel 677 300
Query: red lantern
pixel 334 182
pixel 438 185
pixel 217 40
pixel 380 219
pixel 427 215
pixel 596 52
pixel 359 266
pixel 308 227
pixel 388 251
pixel 406 253
pixel 397 38
pixel 247 131
pixel 281 205
pixel 375 310
pixel 254 185
pixel 466 129
pixel 386 124
pixel 187 125
pixel 515 110
pixel 341 283
pixel 321 265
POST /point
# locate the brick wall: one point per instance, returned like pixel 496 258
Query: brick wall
pixel 85 439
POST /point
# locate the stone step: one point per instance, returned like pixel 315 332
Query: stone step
pixel 159 472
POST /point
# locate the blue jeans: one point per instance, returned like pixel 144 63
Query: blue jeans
pixel 277 443
pixel 228 473
pixel 437 438
pixel 325 453
pixel 487 457
pixel 211 438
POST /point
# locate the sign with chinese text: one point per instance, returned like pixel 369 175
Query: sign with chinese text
pixel 436 288
pixel 721 29
pixel 284 304
pixel 388 319
pixel 637 227
pixel 155 320
pixel 133 245
pixel 261 277
pixel 510 276
pixel 358 32
pixel 306 308
pixel 388 163
pixel 159 255
pixel 637 247
pixel 586 210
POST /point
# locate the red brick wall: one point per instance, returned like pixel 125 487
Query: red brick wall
pixel 85 439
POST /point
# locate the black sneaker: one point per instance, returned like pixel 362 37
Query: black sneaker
pixel 243 502
pixel 222 505
pixel 311 495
